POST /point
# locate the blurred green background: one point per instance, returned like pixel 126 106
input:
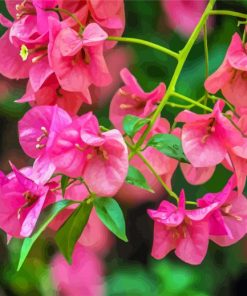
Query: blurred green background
pixel 129 267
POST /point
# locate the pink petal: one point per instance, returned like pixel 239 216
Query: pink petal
pixel 236 54
pixel 109 171
pixel 163 241
pixel 202 153
pixel 93 34
pixel 192 248
pixel 12 65
pixel 32 216
pixel 196 176
pixel 5 22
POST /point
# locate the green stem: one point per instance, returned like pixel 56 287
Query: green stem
pixel 189 100
pixel 72 15
pixel 169 191
pixel 174 105
pixel 205 43
pixel 228 12
pixel 145 43
pixel 183 54
pixel 214 98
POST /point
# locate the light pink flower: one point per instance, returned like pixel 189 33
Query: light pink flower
pixel 206 137
pixel 186 231
pixel 228 222
pixel 231 76
pixel 38 128
pixel 21 202
pixel 132 99
pixel 194 175
pixel 81 150
pixel 109 14
pixel 236 159
pixel 51 93
pixel 78 61
pixel 183 15
pixel 83 277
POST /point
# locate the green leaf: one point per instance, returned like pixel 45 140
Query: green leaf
pixel 69 233
pixel 64 184
pixel 136 178
pixel 132 124
pixel 110 213
pixel 169 145
pixel 45 219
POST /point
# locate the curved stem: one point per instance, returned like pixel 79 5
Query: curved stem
pixel 214 98
pixel 169 191
pixel 72 15
pixel 183 54
pixel 189 100
pixel 146 43
pixel 228 12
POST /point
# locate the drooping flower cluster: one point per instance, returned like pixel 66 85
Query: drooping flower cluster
pixel 60 47
pixel 61 55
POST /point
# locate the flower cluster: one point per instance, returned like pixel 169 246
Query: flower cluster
pixel 79 164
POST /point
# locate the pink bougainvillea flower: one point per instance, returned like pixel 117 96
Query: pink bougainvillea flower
pixel 12 66
pixel 78 61
pixel 109 14
pixel 194 175
pixel 231 76
pixel 132 99
pixel 206 137
pixel 27 36
pixel 95 235
pixel 100 158
pixel 236 160
pixel 163 165
pixel 183 15
pixel 38 128
pixel 51 93
pixel 186 231
pixel 83 277
pixel 227 223
pixel 21 202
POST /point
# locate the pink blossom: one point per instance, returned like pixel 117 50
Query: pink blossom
pixel 183 15
pixel 78 61
pixel 29 29
pixel 83 277
pixel 194 175
pixel 236 159
pixel 100 158
pixel 109 14
pixel 163 165
pixel 206 137
pixel 21 201
pixel 132 99
pixel 51 93
pixel 186 231
pixel 230 77
pixel 38 128
pixel 228 222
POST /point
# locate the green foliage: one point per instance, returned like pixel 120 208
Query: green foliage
pixel 45 219
pixel 110 213
pixel 132 124
pixel 69 233
pixel 169 145
pixel 136 178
